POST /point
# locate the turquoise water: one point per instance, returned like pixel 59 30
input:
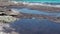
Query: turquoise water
pixel 39 0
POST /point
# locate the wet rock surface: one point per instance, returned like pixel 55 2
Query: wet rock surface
pixel 5 15
pixel 5 19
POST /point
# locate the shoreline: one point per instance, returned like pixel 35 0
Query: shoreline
pixel 42 4
pixel 35 6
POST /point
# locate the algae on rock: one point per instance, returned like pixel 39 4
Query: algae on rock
pixel 7 19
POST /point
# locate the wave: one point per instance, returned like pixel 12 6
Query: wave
pixel 37 1
pixel 14 1
pixel 51 4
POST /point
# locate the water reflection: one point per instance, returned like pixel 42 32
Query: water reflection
pixel 36 26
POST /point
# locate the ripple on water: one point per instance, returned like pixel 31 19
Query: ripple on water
pixel 36 26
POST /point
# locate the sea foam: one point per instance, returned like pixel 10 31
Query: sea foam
pixel 35 3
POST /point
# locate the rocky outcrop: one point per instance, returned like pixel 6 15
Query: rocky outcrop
pixel 7 19
pixel 7 15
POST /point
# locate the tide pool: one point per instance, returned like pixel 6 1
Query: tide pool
pixel 35 26
pixel 29 11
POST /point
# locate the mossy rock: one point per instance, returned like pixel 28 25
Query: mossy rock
pixel 8 19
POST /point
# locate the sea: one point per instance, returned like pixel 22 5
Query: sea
pixel 38 0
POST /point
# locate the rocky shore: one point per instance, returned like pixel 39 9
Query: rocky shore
pixel 7 15
pixel 43 7
pixel 12 15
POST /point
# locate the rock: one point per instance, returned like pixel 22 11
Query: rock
pixel 7 19
pixel 2 29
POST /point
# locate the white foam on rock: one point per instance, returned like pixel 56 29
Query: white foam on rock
pixel 14 2
pixel 37 4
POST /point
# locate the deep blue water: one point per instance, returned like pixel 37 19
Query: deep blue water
pixel 36 26
pixel 29 11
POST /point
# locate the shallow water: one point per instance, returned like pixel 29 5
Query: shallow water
pixel 29 11
pixel 38 0
pixel 36 26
